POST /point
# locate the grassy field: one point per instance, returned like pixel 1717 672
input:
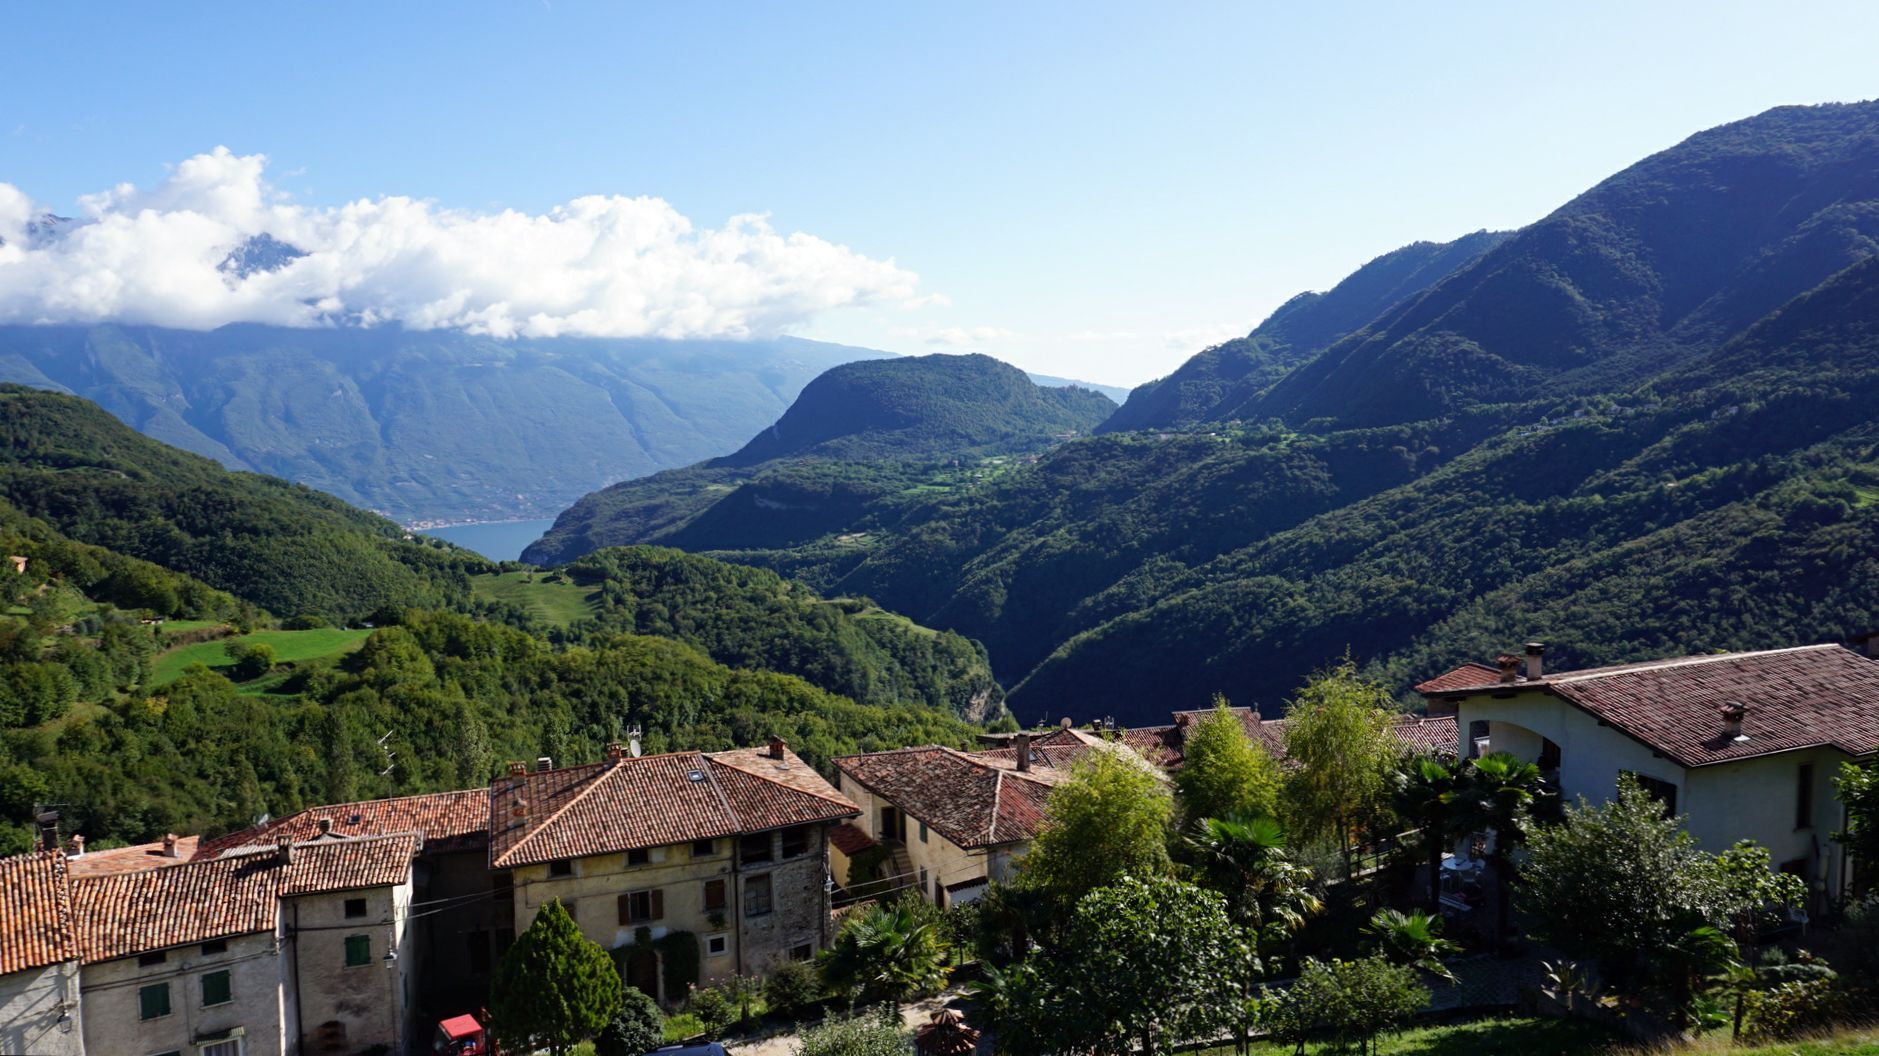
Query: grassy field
pixel 289 646
pixel 1556 1037
pixel 561 604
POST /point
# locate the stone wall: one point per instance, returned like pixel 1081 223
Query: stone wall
pixel 31 1004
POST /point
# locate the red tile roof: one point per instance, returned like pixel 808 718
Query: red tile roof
pixel 36 926
pixel 1805 697
pixel 447 821
pixel 121 914
pixel 1163 745
pixel 132 859
pixel 849 839
pixel 1468 674
pixel 973 799
pixel 628 803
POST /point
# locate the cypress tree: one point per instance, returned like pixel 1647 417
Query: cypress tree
pixel 554 987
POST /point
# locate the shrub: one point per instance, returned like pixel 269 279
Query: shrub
pixel 1347 1003
pixel 252 659
pixel 793 987
pixel 635 1029
pixel 875 1033
pixel 714 1008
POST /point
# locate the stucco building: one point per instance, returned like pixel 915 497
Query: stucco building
pixel 724 854
pixel 1744 745
pixel 39 973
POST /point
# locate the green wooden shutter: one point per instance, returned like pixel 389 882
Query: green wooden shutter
pixel 358 950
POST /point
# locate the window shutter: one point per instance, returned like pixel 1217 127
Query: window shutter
pixel 626 909
pixel 714 894
pixel 658 904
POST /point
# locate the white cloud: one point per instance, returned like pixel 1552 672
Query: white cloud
pixel 1194 338
pixel 596 266
pixel 956 336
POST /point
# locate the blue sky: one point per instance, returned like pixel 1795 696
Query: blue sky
pixel 1091 190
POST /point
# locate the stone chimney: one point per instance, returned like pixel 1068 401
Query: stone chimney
pixel 616 751
pixel 544 763
pixel 1509 665
pixel 1536 654
pixel 1021 744
pixel 169 845
pixel 326 826
pixel 1732 715
pixel 517 768
pixel 78 846
pixel 48 829
pixel 284 852
pixel 777 747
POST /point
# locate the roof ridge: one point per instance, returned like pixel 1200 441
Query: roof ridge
pixel 780 784
pixel 724 799
pixel 1676 662
pixel 608 766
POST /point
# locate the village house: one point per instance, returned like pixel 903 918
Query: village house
pixel 39 971
pixel 1744 745
pixel 690 866
pixel 952 822
pixel 1165 745
pixel 467 922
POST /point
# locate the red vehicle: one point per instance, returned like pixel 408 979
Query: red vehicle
pixel 461 1036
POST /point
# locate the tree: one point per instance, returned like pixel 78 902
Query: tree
pixel 1412 939
pixel 1223 772
pixel 1421 791
pixel 637 1028
pixel 1149 962
pixel 1337 737
pixel 888 953
pixel 1623 884
pixel 554 987
pixel 1858 784
pixel 1493 795
pixel 1268 895
pixel 1347 1003
pixel 251 659
pixel 874 1033
pixel 792 987
pixel 1109 820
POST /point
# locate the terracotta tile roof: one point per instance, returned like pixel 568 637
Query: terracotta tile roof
pixel 448 821
pixel 849 839
pixel 121 914
pixel 973 799
pixel 622 804
pixel 132 859
pixel 1468 674
pixel 1427 734
pixel 36 925
pixel 1431 734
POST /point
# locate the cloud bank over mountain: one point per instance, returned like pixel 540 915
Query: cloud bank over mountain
pixel 214 243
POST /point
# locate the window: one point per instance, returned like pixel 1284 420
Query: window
pixel 358 951
pixel 801 953
pixel 923 832
pixel 153 1001
pixel 151 960
pixel 714 895
pixel 717 945
pixel 355 907
pixel 215 988
pixel 796 841
pixel 923 885
pixel 704 848
pixel 640 906
pixel 1662 791
pixel 231 1047
pixel 214 946
pixel 564 867
pixel 757 896
pixel 638 856
pixel 1804 797
pixel 172 1052
pixel 755 848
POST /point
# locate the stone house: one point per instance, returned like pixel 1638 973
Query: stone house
pixel 294 948
pixel 39 971
pixel 712 859
pixel 1744 745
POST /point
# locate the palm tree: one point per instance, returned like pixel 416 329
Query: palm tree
pixel 1492 796
pixel 1413 939
pixel 888 953
pixel 1421 792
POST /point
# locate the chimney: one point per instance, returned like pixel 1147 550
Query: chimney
pixel 517 768
pixel 1732 715
pixel 284 852
pixel 1867 643
pixel 777 745
pixel 169 845
pixel 78 846
pixel 1536 652
pixel 616 751
pixel 1021 744
pixel 1182 718
pixel 1509 665
pixel 543 764
pixel 48 829
pixel 326 826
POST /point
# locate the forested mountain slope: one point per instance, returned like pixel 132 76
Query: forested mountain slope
pixel 859 437
pixel 281 546
pixel 1679 455
pixel 427 424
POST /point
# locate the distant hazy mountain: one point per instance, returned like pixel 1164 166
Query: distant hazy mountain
pixel 425 425
pixel 861 433
pixel 1116 393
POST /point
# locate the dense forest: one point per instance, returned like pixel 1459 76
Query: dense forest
pixel 860 438
pixel 1641 426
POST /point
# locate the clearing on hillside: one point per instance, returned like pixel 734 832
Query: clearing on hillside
pixel 560 603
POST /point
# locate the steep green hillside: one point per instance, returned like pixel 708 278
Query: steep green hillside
pixel 861 438
pixel 751 618
pixel 427 424
pixel 282 546
pixel 1215 384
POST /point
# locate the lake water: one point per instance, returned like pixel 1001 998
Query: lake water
pixel 496 540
